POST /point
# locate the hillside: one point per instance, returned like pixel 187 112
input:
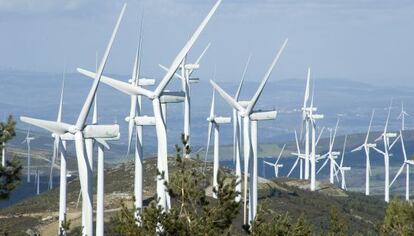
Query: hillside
pixel 39 213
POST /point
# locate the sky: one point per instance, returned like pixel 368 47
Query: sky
pixel 363 40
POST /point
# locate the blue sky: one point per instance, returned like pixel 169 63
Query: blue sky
pixel 363 40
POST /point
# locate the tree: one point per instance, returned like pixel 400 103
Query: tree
pixel 7 132
pixel 399 218
pixel 271 223
pixel 338 225
pixel 9 177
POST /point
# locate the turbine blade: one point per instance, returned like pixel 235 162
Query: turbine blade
pixel 210 126
pixel 259 91
pixel 306 97
pixel 293 167
pixel 199 58
pixel 236 97
pixel 89 99
pixel 320 135
pixel 231 101
pixel 131 122
pixel 119 85
pixel 52 126
pixel 369 127
pixel 59 117
pixel 398 174
pixel 297 143
pixel 343 150
pixel 323 165
pixel 280 154
pixel 403 146
pixel 181 55
pixel 359 148
pixel 388 117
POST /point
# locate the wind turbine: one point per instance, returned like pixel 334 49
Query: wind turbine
pixel 216 121
pixel 342 168
pixel 79 132
pixel 27 140
pixel 387 147
pixel 331 155
pixel 159 97
pixel 237 134
pixel 402 116
pixel 276 165
pixel 247 113
pixel 367 146
pixel 187 70
pixel 405 164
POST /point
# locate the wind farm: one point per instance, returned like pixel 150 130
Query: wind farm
pixel 188 135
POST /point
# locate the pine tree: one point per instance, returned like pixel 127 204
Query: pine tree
pixel 399 218
pixel 9 177
pixel 338 225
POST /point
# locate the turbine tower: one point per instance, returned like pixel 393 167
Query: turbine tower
pixel 402 115
pixel 276 165
pixel 386 136
pixel 406 164
pixel 247 113
pixel 215 121
pixel 160 97
pixel 79 132
pixel 27 140
pixel 367 146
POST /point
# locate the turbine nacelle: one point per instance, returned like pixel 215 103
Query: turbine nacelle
pixel 317 116
pixel 191 66
pixel 145 120
pixel 390 135
pixel 172 97
pixel 219 119
pixel 95 131
pixel 144 82
pixel 263 115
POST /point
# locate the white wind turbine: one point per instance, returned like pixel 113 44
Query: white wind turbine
pixel 343 169
pixel 402 115
pixel 331 155
pixel 367 146
pixel 248 115
pixel 406 164
pixel 187 70
pixel 276 165
pixel 27 140
pixel 216 121
pixel 237 134
pixel 387 147
pixel 159 97
pixel 79 132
